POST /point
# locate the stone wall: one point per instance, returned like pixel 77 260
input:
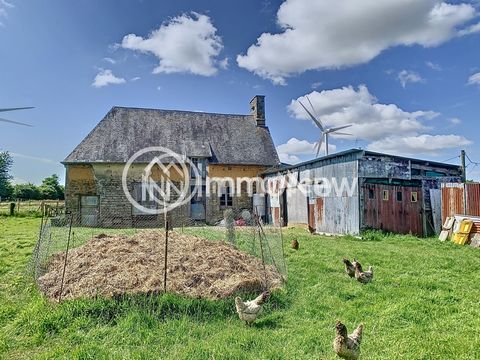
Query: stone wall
pixel 80 180
pixel 241 199
pixel 114 210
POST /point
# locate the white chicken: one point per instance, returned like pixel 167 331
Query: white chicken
pixel 248 311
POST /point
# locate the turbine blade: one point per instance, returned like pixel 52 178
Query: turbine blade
pixel 342 133
pixel 313 109
pixel 19 108
pixel 319 124
pixel 15 122
pixel 320 142
pixel 339 128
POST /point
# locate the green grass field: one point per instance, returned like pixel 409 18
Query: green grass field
pixel 423 304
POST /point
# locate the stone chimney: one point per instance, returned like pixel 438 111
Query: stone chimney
pixel 257 106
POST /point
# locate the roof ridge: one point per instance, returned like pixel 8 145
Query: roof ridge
pixel 179 111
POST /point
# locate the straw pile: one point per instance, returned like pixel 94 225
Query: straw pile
pixel 110 266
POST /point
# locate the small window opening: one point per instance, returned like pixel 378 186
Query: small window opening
pixel 399 196
pixel 385 195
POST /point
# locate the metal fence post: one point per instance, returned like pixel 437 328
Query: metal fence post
pixel 166 253
pixel 66 256
pixel 37 246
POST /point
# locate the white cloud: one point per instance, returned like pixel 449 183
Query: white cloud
pixel 7 4
pixel 316 85
pixel 289 159
pixel 370 119
pixel 422 144
pixel 106 77
pixel 470 30
pixel 318 35
pixel 224 63
pixel 136 78
pixel 4 5
pixel 433 66
pixel 110 60
pixel 296 147
pixel 474 79
pixel 289 151
pixel 455 121
pixel 406 76
pixel 185 44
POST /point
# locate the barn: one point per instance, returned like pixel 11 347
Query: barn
pixel 365 190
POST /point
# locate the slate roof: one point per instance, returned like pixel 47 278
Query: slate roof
pixel 224 138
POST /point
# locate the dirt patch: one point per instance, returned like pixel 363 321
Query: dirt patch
pixel 109 266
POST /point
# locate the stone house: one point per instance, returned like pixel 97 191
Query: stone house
pixel 220 145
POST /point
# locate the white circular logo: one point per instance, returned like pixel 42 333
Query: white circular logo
pixel 176 180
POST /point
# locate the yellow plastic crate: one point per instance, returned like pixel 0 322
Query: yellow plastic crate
pixel 462 235
pixel 460 239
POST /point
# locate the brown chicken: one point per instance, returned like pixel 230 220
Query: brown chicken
pixel 295 244
pixel 363 276
pixel 349 267
pixel 347 346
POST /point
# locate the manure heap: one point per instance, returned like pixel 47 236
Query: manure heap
pixel 115 265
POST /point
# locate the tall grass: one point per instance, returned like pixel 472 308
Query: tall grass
pixel 423 304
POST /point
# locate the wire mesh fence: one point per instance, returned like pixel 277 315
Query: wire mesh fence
pixel 107 254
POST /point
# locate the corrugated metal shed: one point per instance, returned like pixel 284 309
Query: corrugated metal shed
pixel 350 213
pixel 325 213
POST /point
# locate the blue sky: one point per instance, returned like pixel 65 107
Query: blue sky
pixel 405 73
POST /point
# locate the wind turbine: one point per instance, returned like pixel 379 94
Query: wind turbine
pixel 14 109
pixel 324 132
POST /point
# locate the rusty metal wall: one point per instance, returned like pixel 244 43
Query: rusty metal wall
pixel 473 199
pixel 403 217
pixel 452 200
pixel 311 215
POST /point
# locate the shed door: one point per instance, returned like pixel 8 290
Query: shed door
pixel 89 210
pixel 397 209
pixel 311 215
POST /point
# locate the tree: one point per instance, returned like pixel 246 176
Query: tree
pixel 27 192
pixel 51 188
pixel 6 163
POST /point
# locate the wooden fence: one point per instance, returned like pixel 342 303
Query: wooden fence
pixel 53 207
